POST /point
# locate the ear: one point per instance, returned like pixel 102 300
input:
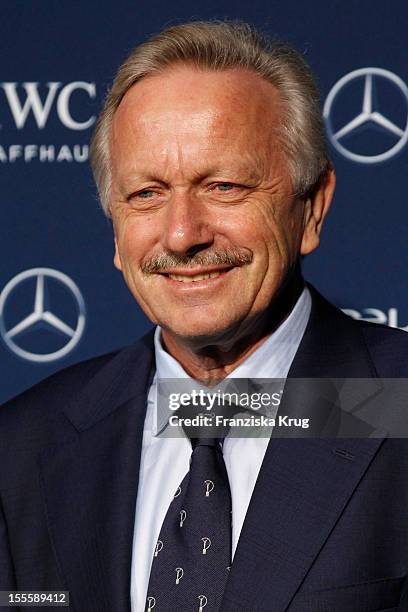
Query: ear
pixel 316 208
pixel 116 258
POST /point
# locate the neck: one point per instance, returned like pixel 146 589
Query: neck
pixel 214 361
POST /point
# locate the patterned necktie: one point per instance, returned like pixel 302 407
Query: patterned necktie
pixel 193 553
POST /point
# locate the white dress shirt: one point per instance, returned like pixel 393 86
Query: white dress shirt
pixel 165 460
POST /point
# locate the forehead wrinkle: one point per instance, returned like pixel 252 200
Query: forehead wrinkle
pixel 196 127
pixel 247 167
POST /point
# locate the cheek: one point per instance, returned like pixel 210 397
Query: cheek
pixel 135 239
pixel 240 226
pixel 254 230
pixel 285 233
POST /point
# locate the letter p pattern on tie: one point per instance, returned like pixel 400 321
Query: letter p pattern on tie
pixel 192 556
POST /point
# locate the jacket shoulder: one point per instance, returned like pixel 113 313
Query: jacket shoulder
pixel 353 347
pixel 44 403
pixel 388 347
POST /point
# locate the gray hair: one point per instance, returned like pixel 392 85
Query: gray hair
pixel 221 45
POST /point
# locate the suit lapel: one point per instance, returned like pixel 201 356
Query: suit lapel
pixel 304 484
pixel 90 485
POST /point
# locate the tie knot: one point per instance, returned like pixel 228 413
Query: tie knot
pixel 212 442
pixel 207 424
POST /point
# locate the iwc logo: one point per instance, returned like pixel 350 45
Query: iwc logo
pixel 368 101
pixel 42 315
pixel 32 107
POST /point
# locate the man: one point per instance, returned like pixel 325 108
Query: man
pixel 210 158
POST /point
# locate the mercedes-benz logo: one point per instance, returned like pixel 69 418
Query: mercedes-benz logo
pixel 368 115
pixel 41 314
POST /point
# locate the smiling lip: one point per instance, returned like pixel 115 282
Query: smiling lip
pixel 195 276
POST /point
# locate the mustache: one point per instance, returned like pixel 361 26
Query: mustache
pixel 165 262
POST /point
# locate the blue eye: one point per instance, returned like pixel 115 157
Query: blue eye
pixel 225 186
pixel 147 193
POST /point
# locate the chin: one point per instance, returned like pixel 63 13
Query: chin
pixel 191 331
pixel 202 331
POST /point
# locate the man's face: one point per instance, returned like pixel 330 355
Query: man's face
pixel 206 223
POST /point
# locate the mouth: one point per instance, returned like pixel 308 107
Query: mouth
pixel 190 276
pixel 193 279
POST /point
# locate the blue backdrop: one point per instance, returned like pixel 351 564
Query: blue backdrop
pixel 61 300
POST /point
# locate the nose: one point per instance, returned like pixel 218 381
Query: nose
pixel 186 228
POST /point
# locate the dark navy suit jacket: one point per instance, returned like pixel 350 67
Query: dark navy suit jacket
pixel 326 531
